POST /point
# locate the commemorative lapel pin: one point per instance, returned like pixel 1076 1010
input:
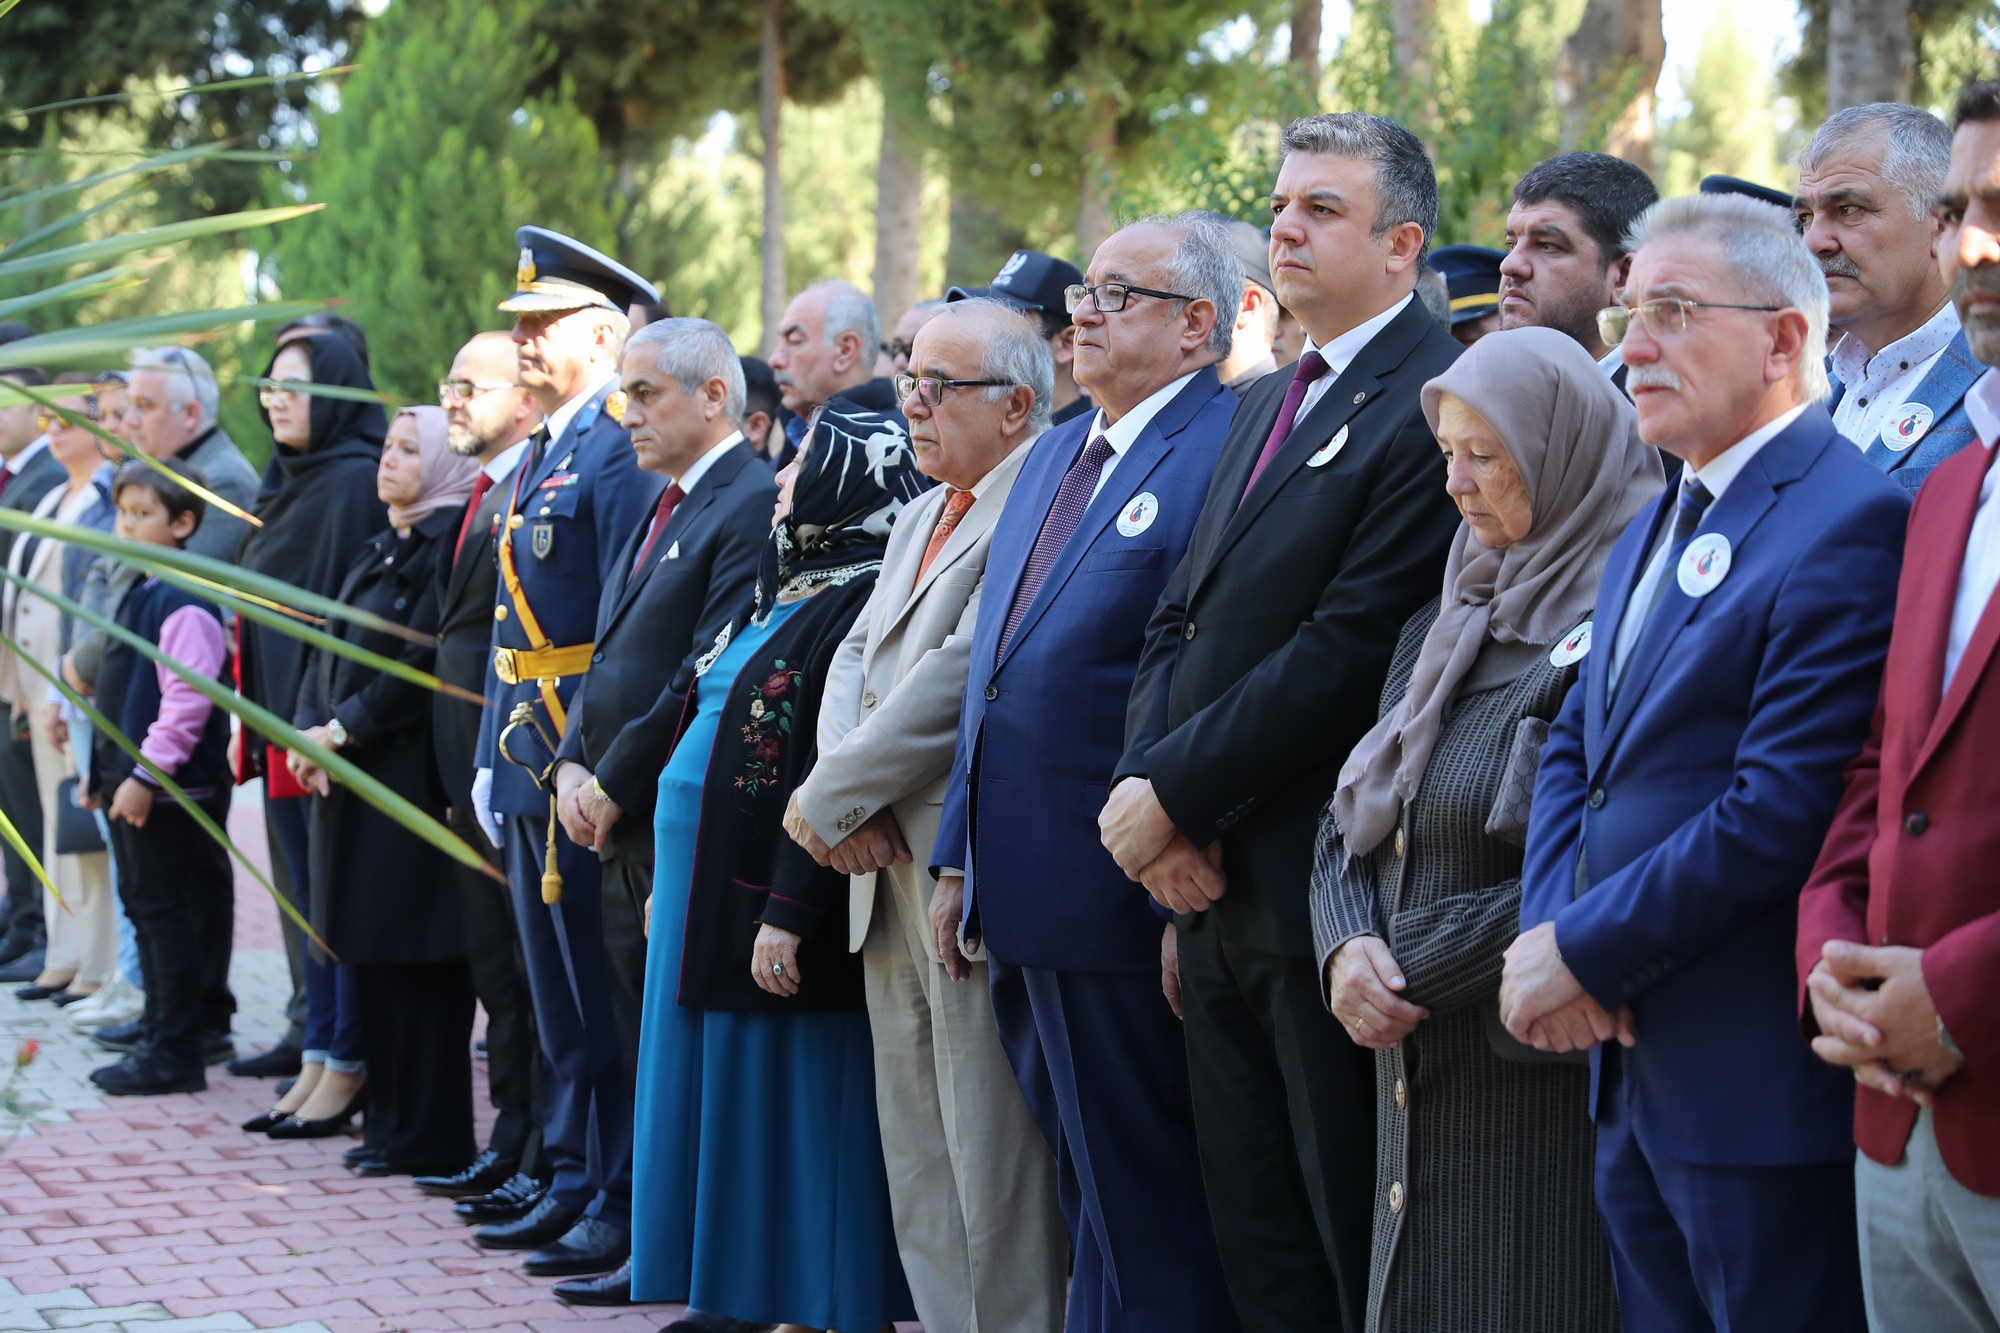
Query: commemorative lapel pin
pixel 1138 515
pixel 1907 426
pixel 1704 565
pixel 1573 647
pixel 1324 454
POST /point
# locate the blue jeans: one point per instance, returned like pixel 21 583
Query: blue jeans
pixel 333 1007
pixel 80 738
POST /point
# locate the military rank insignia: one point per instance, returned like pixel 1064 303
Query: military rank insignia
pixel 614 405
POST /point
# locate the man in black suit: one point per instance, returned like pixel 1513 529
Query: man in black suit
pixel 689 568
pixel 1324 530
pixel 1566 258
pixel 488 417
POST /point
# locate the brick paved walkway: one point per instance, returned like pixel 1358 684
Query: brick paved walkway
pixel 157 1214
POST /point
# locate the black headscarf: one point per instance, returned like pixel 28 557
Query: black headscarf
pixel 338 425
pixel 856 474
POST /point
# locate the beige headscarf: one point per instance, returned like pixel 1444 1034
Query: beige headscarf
pixel 1575 441
pixel 446 477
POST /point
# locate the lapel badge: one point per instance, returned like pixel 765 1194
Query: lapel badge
pixel 1909 425
pixel 1704 565
pixel 1358 397
pixel 614 405
pixel 1137 516
pixel 567 459
pixel 1573 647
pixel 524 272
pixel 1324 454
pixel 542 539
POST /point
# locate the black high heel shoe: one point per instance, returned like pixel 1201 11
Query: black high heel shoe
pixel 295 1127
pixel 262 1122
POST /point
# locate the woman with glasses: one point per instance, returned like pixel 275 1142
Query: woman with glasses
pixel 318 509
pixel 82 950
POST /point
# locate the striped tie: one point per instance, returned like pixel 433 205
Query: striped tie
pixel 1072 498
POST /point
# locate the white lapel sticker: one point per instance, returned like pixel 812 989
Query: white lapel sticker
pixel 1907 427
pixel 1572 648
pixel 673 552
pixel 1138 514
pixel 1324 454
pixel 1704 565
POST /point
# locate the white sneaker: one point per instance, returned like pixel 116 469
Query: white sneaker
pixel 119 1001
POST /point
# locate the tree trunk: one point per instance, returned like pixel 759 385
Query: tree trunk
pixel 899 205
pixel 1413 31
pixel 1606 75
pixel 1098 171
pixel 770 103
pixel 1304 53
pixel 1870 53
pixel 981 238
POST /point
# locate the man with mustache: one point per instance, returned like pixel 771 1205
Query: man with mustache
pixel 828 338
pixel 1901 368
pixel 1899 927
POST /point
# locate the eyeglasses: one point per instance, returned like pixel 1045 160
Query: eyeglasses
pixel 896 347
pixel 47 419
pixel 464 391
pixel 929 389
pixel 1110 297
pixel 1664 316
pixel 271 393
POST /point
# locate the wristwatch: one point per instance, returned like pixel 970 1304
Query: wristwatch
pixel 336 735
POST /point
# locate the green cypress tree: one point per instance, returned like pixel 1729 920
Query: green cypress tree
pixel 433 156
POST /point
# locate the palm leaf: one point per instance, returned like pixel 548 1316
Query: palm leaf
pixel 343 391
pixel 185 90
pixel 68 221
pixel 98 344
pixel 20 845
pixel 92 285
pixel 152 165
pixel 173 233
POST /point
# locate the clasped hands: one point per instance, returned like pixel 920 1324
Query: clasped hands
pixel 1543 1005
pixel 586 813
pixel 1140 836
pixel 304 771
pixel 1876 1018
pixel 876 845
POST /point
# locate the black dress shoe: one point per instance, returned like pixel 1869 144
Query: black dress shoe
pixel 16 945
pixel 146 1073
pixel 63 999
pixel 488 1172
pixel 278 1062
pixel 593 1245
pixel 515 1197
pixel 262 1122
pixel 544 1224
pixel 369 1162
pixel 613 1288
pixel 700 1321
pixel 298 1127
pixel 218 1048
pixel 121 1036
pixel 35 990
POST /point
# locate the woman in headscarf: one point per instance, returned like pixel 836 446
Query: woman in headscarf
pixel 765 1198
pixel 385 900
pixel 1483 1207
pixel 318 508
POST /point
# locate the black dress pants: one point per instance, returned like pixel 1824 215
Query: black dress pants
pixel 416 1035
pixel 177 887
pixel 1284 1112
pixel 493 952
pixel 628 883
pixel 22 800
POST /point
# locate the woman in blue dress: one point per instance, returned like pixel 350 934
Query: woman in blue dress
pixel 759 1187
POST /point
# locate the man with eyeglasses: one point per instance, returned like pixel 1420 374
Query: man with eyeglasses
pixel 172 414
pixel 1034 283
pixel 1095 527
pixel 1323 532
pixel 895 358
pixel 971 1183
pixel 1688 782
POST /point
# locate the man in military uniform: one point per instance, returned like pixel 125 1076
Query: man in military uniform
pixel 570 505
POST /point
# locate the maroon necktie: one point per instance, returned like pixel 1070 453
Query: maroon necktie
pixel 480 485
pixel 670 497
pixel 1072 498
pixel 1311 366
pixel 6 478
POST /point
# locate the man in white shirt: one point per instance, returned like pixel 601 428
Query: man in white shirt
pixel 1901 366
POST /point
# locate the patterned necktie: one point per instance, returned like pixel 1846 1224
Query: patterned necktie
pixel 480 485
pixel 1311 366
pixel 663 511
pixel 1072 498
pixel 947 519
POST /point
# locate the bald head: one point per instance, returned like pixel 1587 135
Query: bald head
pixel 488 410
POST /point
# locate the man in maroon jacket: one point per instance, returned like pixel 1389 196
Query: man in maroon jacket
pixel 1899 928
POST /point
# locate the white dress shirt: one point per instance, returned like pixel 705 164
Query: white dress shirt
pixel 1124 432
pixel 1877 387
pixel 1612 362
pixel 699 468
pixel 501 466
pixel 1340 353
pixel 1980 573
pixel 558 420
pixel 1715 476
pixel 14 465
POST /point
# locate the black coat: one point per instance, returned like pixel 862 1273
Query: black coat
pixel 1266 654
pixel 466 590
pixel 652 626
pixel 380 893
pixel 746 871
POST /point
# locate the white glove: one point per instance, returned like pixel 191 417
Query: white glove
pixel 482 808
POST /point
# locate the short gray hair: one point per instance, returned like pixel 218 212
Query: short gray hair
pixel 1763 254
pixel 849 310
pixel 691 352
pixel 1916 147
pixel 1016 353
pixel 189 379
pixel 1204 265
pixel 1405 182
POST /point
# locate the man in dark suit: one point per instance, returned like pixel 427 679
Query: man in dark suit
pixel 682 573
pixel 569 507
pixel 488 417
pixel 1097 522
pixel 1566 256
pixel 1324 530
pixel 1688 782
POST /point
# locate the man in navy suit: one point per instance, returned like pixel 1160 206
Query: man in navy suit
pixel 1099 519
pixel 570 506
pixel 1689 781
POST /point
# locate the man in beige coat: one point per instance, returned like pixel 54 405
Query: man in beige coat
pixel 971 1179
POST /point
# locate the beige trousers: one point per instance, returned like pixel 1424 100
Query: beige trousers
pixel 971 1180
pixel 85 936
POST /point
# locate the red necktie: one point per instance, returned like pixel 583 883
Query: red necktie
pixel 947 519
pixel 480 485
pixel 6 478
pixel 669 498
pixel 1311 366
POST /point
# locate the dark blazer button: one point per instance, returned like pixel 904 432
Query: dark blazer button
pixel 992 693
pixel 1916 824
pixel 596 658
pixel 1188 633
pixel 1597 798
